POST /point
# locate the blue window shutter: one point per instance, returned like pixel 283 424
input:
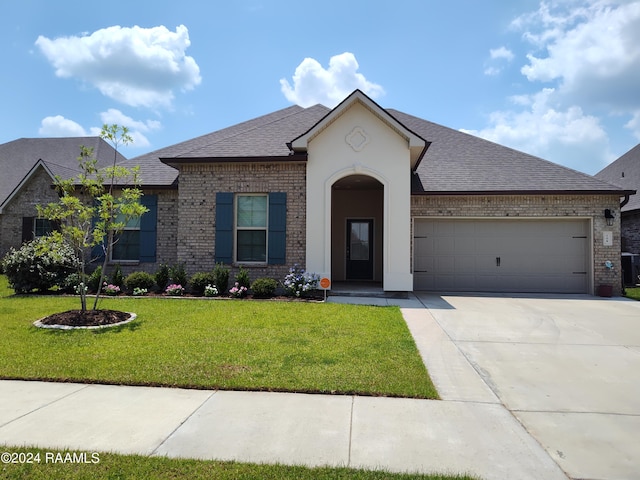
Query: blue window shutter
pixel 224 227
pixel 277 228
pixel 148 229
pixel 97 251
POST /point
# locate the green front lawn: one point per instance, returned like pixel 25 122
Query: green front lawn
pixel 633 292
pixel 115 466
pixel 225 344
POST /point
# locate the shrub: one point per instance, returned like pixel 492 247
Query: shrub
pixel 264 287
pixel 199 281
pixel 139 292
pixel 210 291
pixel 174 290
pixel 178 274
pixel 94 279
pixel 221 277
pixel 162 277
pixel 110 289
pixel 238 291
pixel 298 282
pixel 242 278
pixel 140 280
pixel 38 265
pixel 117 278
pixel 71 283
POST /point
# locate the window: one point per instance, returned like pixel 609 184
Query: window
pixel 127 246
pixel 251 228
pixel 42 227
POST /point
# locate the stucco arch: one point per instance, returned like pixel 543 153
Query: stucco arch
pixel 355 197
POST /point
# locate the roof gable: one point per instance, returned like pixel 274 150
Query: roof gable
pixel 416 144
pixel 625 172
pixel 19 157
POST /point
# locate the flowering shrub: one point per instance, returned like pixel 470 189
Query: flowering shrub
pixel 238 291
pixel 174 290
pixel 210 291
pixel 110 289
pixel 38 265
pixel 81 289
pixel 298 282
pixel 139 292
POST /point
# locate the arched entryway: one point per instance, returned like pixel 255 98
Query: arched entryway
pixel 357 226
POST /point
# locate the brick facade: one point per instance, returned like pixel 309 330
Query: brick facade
pixel 199 184
pixel 538 206
pixel 36 191
pixel 630 231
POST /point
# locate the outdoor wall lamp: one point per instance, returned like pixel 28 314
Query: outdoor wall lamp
pixel 609 216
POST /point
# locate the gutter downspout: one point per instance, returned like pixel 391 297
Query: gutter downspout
pixel 625 201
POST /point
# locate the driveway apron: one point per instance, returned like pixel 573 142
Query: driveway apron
pixel 567 367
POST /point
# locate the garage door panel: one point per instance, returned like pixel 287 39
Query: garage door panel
pixel 496 255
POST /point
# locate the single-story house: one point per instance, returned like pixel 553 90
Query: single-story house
pixel 360 193
pixel 625 172
pixel 29 167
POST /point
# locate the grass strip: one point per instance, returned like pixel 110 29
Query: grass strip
pixel 120 467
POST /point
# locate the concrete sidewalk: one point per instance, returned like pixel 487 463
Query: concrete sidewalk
pixel 469 431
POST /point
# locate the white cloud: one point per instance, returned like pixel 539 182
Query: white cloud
pixel 313 84
pixel 498 56
pixel 634 124
pixel 136 66
pixel 58 126
pixel 501 53
pixel 592 51
pixel 585 63
pixel 569 136
pixel 137 128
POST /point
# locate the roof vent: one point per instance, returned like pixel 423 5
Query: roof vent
pixel 622 174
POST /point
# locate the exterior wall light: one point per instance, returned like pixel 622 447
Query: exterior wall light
pixel 609 217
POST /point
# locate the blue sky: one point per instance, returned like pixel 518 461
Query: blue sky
pixel 559 79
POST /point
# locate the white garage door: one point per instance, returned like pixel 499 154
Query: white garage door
pixel 502 255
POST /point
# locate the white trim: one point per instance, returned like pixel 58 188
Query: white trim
pixel 236 196
pixel 415 143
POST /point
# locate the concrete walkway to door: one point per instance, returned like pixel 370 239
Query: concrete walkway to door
pixel 567 367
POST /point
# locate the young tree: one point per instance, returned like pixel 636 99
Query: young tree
pixel 95 206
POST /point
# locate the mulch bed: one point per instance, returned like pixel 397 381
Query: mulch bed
pixel 89 318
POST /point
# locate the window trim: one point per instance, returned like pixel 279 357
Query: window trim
pixel 236 229
pixel 35 227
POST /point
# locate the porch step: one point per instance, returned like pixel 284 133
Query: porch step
pixel 367 293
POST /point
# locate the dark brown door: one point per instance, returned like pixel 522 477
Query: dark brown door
pixel 359 249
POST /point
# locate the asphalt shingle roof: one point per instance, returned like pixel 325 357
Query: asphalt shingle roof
pixel 625 172
pixel 455 162
pixel 60 155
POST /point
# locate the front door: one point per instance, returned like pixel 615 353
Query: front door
pixel 359 249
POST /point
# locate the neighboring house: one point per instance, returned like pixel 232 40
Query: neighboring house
pixel 29 166
pixel 625 172
pixel 362 193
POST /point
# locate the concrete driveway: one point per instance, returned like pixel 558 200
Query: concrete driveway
pixel 567 367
